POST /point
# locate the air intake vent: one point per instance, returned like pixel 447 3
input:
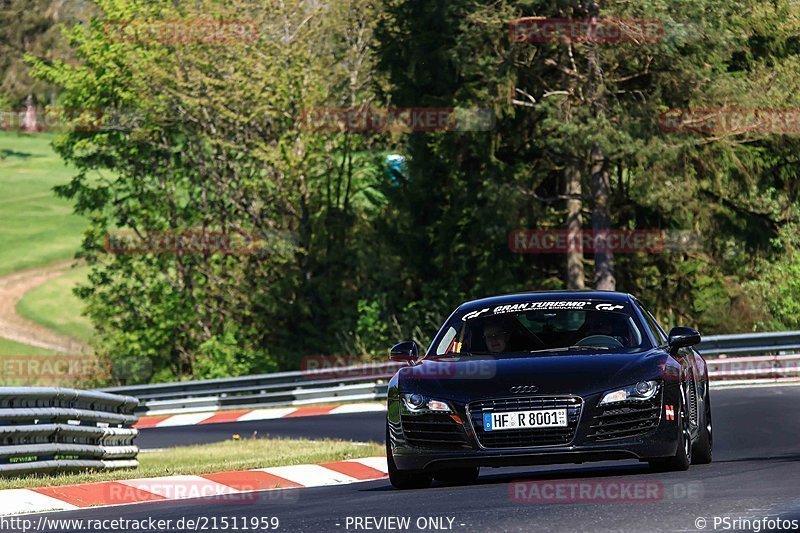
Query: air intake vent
pixel 626 419
pixel 433 431
pixel 691 391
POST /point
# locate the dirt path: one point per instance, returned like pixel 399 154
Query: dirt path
pixel 16 328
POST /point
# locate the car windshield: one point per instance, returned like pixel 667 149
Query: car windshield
pixel 535 326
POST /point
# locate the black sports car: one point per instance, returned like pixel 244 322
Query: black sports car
pixel 549 377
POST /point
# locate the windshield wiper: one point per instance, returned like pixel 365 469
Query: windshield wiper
pixel 567 348
pixel 454 354
pixel 589 346
pixel 561 349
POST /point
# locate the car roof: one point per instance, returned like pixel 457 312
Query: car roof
pixel 539 296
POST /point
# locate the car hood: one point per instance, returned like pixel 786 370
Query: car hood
pixel 580 373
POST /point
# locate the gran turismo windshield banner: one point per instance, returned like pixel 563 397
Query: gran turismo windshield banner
pixel 577 305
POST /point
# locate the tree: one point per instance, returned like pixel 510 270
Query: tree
pixel 33 27
pixel 211 139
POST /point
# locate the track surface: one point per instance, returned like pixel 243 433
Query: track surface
pixel 756 473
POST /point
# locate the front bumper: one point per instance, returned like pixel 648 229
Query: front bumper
pixel 659 440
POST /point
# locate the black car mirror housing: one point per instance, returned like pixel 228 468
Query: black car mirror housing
pixel 681 337
pixel 404 352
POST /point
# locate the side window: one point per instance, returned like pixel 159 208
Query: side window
pixel 446 341
pixel 653 325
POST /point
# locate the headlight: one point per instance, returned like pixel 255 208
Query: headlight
pixel 642 391
pixel 416 403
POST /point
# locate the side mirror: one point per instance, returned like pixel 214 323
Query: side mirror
pixel 681 337
pixel 405 352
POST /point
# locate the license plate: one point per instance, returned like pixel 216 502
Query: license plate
pixel 541 418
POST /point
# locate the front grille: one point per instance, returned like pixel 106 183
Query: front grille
pixel 525 438
pixel 625 419
pixel 433 431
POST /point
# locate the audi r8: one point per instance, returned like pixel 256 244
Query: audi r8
pixel 544 378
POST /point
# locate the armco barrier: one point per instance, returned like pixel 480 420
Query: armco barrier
pixel 750 343
pixel 350 383
pixel 368 382
pixel 52 429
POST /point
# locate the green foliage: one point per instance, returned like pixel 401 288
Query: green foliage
pixel 731 192
pixel 779 283
pixel 220 147
pixel 211 138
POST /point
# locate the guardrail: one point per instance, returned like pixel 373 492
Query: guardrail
pixel 750 343
pixel 351 383
pixel 368 382
pixel 52 429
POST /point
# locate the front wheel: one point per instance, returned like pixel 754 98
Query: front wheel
pixel 703 452
pixel 404 479
pixel 683 455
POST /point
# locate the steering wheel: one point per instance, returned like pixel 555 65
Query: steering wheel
pixel 599 340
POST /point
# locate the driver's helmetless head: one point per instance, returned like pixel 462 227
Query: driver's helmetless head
pixel 496 337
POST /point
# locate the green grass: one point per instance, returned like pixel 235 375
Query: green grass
pixel 11 349
pixel 245 454
pixel 53 305
pixel 37 228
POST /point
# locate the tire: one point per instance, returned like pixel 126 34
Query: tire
pixel 683 456
pixel 458 475
pixel 404 479
pixel 703 451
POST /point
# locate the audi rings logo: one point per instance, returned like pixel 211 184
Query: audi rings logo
pixel 523 389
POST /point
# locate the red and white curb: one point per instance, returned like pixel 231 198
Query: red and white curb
pixel 191 419
pixel 225 485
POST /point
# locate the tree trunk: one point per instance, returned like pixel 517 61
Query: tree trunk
pixel 575 272
pixel 601 222
pixel 601 185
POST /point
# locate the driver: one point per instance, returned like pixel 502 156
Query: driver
pixel 496 337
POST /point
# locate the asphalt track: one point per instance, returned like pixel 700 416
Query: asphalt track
pixel 756 474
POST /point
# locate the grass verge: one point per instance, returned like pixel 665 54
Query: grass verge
pixel 9 348
pixel 37 227
pixel 54 306
pixel 245 454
